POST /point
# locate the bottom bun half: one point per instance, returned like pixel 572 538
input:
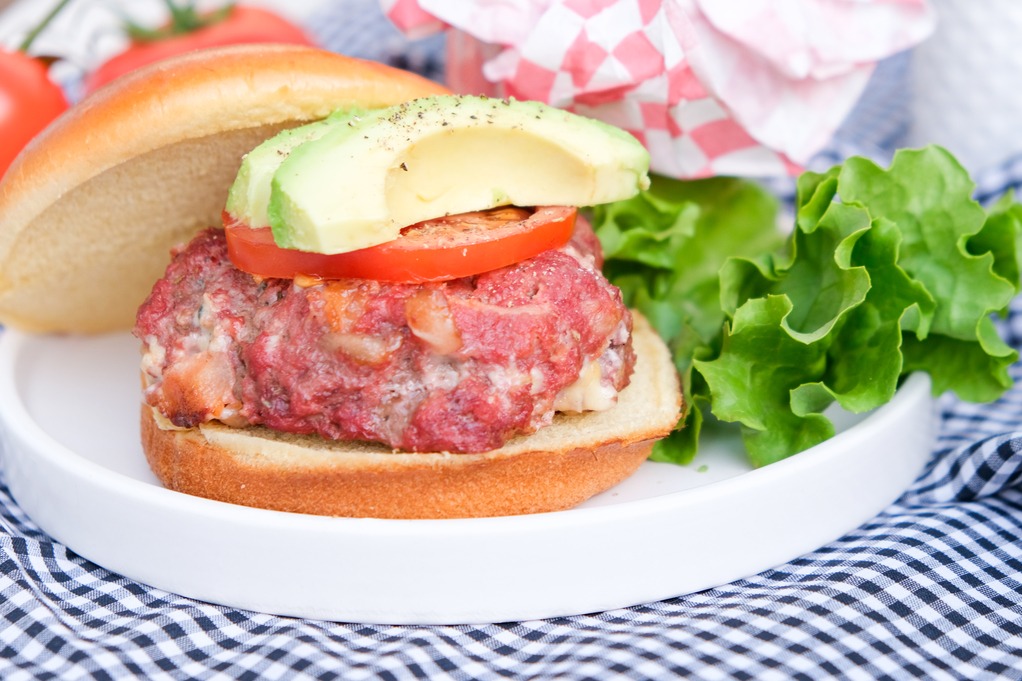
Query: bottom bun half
pixel 555 468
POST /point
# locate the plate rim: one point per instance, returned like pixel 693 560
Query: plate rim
pixel 18 423
pixel 913 385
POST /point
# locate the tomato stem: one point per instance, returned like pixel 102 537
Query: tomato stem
pixel 41 26
pixel 184 19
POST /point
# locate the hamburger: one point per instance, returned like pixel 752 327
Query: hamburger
pixel 520 385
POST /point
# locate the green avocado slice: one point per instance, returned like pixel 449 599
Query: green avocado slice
pixel 356 183
pixel 249 196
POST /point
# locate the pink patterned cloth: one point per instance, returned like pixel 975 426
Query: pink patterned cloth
pixel 712 87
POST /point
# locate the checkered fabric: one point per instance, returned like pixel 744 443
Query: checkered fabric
pixel 744 87
pixel 930 589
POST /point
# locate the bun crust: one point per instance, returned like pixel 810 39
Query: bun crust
pixel 558 467
pixel 93 206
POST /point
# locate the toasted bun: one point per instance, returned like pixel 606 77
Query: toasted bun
pixel 93 206
pixel 557 467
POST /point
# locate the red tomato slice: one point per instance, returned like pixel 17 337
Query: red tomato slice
pixel 434 250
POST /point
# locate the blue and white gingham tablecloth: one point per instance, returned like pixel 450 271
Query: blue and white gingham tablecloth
pixel 929 589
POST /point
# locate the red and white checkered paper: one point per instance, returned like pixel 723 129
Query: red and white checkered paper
pixel 712 87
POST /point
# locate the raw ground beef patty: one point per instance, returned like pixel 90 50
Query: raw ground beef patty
pixel 459 366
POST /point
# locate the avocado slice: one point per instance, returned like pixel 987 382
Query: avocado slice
pixel 249 196
pixel 361 182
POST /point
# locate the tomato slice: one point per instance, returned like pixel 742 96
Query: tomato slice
pixel 435 250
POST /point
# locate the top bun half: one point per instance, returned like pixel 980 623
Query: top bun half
pixel 91 209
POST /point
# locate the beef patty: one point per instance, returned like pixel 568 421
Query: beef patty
pixel 459 366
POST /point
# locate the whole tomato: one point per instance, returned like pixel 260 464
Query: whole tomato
pixel 29 100
pixel 188 30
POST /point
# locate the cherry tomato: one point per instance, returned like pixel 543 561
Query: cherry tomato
pixel 29 100
pixel 238 24
pixel 434 250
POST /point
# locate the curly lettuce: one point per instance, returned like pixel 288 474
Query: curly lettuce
pixel 883 273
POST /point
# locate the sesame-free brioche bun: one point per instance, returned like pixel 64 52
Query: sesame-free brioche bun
pixel 92 207
pixel 557 467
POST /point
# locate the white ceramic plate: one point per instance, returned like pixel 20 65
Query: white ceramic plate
pixel 68 410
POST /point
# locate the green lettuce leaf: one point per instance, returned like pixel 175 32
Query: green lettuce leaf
pixel 664 249
pixel 884 272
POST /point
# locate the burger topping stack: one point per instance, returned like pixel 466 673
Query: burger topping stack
pixel 468 306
